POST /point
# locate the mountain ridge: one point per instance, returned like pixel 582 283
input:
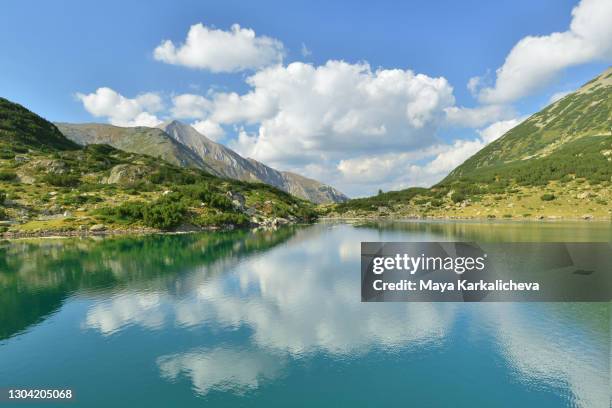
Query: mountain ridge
pixel 181 144
pixel 231 164
pixel 150 141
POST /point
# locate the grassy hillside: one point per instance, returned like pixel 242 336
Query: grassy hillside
pixel 182 145
pixel 557 163
pixel 569 137
pixel 150 141
pixel 48 183
pixel 21 129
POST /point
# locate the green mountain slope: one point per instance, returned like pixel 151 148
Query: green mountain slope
pixel 22 129
pixel 568 137
pixel 150 141
pixel 50 184
pixel 556 164
pixel 182 145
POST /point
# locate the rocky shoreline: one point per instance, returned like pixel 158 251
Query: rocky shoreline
pixel 100 230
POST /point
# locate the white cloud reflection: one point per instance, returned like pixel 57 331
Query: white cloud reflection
pixel 221 369
pixel 295 312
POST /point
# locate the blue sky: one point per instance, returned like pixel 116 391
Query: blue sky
pixel 54 51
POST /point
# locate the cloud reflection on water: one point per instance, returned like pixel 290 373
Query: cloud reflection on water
pixel 303 298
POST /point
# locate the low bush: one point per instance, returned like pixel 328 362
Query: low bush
pixel 61 180
pixel 458 196
pixel 7 175
pixel 78 199
pixel 163 213
pixel 166 175
pixel 547 197
pixel 223 219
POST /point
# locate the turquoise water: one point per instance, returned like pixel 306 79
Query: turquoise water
pixel 275 319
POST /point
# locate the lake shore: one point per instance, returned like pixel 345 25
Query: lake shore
pixel 456 218
pixel 190 229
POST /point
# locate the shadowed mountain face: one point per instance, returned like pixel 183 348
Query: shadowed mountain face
pixel 230 164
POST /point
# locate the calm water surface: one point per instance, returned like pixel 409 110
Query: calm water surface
pixel 275 319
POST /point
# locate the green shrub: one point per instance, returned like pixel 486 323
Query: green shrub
pixel 3 215
pixel 202 192
pixel 167 175
pixel 128 213
pixel 7 175
pixel 164 215
pixel 458 196
pixel 78 199
pixel 61 180
pixel 2 197
pixel 223 219
pixel 547 197
pixel 221 202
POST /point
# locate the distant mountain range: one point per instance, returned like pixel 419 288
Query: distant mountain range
pixel 180 144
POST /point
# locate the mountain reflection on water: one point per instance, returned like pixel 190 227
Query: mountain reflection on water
pixel 238 314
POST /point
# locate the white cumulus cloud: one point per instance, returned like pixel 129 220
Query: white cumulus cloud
pixel 558 95
pixel 478 116
pixel 221 51
pixel 122 111
pixel 422 168
pixel 301 113
pixel 535 60
pixel 497 129
pixel 190 106
pixel 209 129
